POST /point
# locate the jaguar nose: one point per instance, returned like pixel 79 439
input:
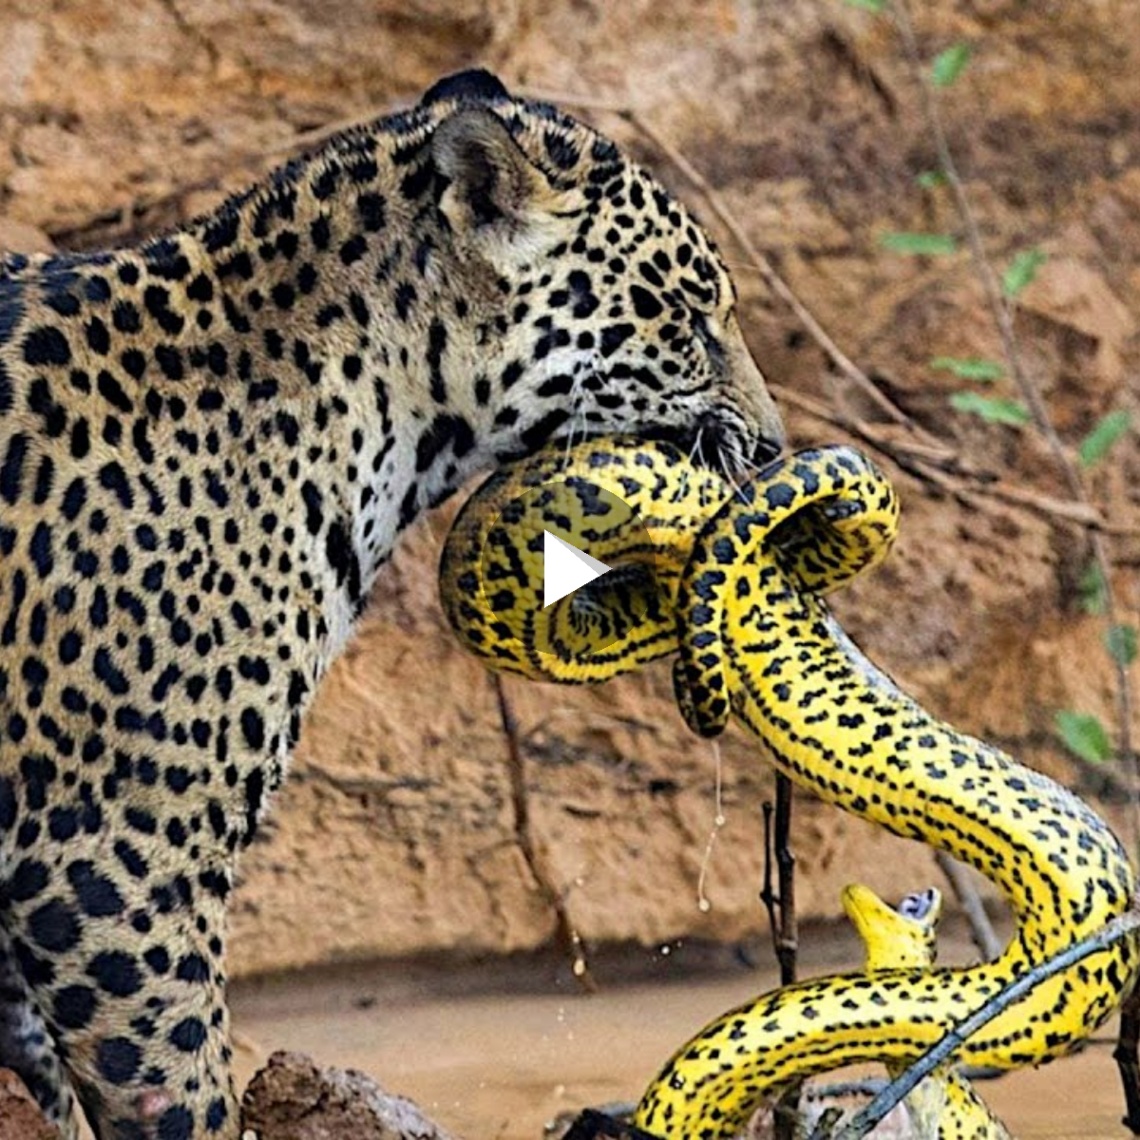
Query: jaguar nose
pixel 767 449
pixel 730 446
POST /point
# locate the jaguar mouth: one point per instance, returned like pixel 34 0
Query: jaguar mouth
pixel 720 443
pixel 717 440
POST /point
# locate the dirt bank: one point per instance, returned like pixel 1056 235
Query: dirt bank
pixel 400 830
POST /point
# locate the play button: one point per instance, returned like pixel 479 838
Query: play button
pixel 565 568
pixel 546 579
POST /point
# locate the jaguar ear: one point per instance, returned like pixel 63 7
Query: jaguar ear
pixel 491 181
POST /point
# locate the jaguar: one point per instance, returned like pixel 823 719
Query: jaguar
pixel 209 443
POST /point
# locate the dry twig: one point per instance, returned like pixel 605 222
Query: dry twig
pixel 780 899
pixel 974 488
pixel 567 931
pixel 985 937
pixel 780 904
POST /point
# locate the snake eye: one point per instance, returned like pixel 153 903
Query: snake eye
pixel 918 905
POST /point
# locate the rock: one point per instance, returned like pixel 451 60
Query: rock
pixel 20 1116
pixel 291 1099
pixel 20 237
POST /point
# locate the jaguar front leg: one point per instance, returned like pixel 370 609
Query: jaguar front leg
pixel 26 1046
pixel 134 998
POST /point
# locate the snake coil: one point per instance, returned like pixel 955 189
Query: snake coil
pixel 734 579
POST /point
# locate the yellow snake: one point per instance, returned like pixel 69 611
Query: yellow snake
pixel 945 1105
pixel 733 579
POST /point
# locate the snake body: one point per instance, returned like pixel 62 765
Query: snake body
pixel 734 577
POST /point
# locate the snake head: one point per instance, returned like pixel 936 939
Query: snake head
pixel 704 710
pixel 700 681
pixel 895 938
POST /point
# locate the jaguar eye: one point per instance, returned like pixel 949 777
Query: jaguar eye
pixel 704 334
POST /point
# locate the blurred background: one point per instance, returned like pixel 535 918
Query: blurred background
pixel 805 135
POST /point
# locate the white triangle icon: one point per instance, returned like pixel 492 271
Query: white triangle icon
pixel 565 568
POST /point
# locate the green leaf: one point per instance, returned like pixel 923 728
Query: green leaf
pixel 1093 589
pixel 949 64
pixel 931 179
pixel 1096 445
pixel 930 245
pixel 969 367
pixel 1021 271
pixel 867 5
pixel 1084 736
pixel 1121 642
pixel 992 410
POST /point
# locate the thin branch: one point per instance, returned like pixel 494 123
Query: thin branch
pixel 966 891
pixel 567 931
pixel 779 898
pixel 780 904
pixel 1112 932
pixel 880 436
pixel 1059 510
pixel 788 942
pixel 314 773
pixel 928 464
